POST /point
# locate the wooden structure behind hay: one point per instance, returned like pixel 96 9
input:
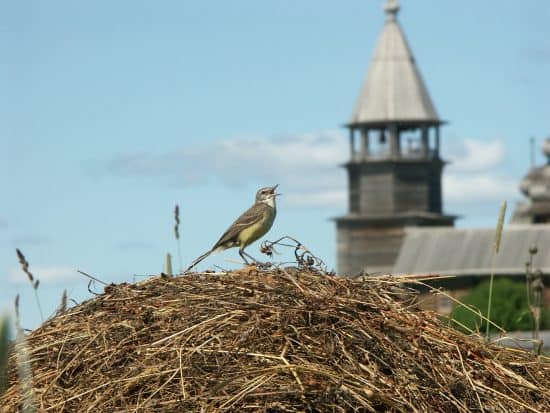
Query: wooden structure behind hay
pixel 395 166
pixel 274 341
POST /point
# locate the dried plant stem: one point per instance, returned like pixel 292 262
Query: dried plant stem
pixel 532 282
pixel 34 282
pixel 528 276
pixel 258 340
pixel 496 248
pixel 64 301
pixel 180 265
pixel 460 303
pixel 38 304
pixel 91 277
pixel 168 268
pixel 24 370
pixel 177 235
pixel 4 342
pixel 489 301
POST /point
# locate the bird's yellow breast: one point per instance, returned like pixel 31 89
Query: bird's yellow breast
pixel 258 229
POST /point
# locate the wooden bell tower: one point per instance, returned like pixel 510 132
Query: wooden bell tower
pixel 394 169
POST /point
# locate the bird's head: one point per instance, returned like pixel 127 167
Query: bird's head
pixel 267 195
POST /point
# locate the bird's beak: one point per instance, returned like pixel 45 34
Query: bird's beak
pixel 273 190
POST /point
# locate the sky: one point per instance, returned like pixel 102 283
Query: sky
pixel 111 113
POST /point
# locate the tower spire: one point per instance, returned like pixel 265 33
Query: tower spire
pixel 393 89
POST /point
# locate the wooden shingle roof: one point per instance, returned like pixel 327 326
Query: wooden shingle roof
pixel 451 251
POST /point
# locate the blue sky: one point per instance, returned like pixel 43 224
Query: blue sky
pixel 113 112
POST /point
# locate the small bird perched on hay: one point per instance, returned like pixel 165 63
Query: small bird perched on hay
pixel 251 225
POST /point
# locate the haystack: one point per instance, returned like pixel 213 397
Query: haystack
pixel 283 340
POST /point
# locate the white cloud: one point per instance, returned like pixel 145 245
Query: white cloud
pixel 329 199
pixel 306 166
pixel 46 275
pixel 474 155
pixel 473 175
pixel 478 187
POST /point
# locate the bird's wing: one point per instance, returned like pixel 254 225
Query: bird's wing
pixel 249 217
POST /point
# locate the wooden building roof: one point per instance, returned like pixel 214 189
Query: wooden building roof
pixel 450 251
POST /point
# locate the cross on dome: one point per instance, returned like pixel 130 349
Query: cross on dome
pixel 391 8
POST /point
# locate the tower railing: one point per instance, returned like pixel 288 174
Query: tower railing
pixel 384 153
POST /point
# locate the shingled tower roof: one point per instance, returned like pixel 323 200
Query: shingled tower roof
pixel 393 90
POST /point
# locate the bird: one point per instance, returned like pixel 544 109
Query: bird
pixel 249 227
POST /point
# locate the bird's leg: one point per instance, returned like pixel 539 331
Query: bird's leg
pixel 258 263
pixel 242 254
pixel 251 257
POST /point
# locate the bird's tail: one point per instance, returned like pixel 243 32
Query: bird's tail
pixel 202 257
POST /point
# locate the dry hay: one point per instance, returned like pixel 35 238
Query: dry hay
pixel 273 341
